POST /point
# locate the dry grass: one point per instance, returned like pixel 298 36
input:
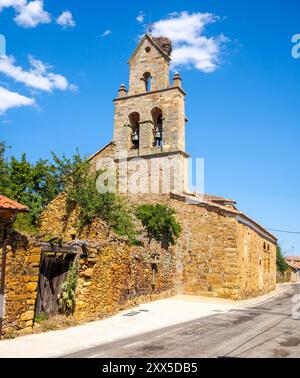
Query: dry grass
pixel 55 323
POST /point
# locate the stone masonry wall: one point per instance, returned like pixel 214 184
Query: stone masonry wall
pixel 215 255
pixel 117 277
pixel 114 275
pixel 172 104
pixel 256 263
pixel 22 274
pixel 148 59
pixel 206 251
pixel 211 257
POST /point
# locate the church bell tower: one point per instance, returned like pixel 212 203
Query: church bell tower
pixel 149 118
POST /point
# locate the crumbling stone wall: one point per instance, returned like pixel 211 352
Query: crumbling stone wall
pixel 117 276
pixel 113 275
pixel 21 284
pixel 216 255
pixel 58 220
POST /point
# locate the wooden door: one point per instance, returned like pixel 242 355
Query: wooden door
pixel 53 273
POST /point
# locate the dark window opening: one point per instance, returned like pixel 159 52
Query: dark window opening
pixel 158 127
pixel 134 119
pixel 147 80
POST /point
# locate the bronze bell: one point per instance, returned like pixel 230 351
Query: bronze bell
pixel 135 137
pixel 157 134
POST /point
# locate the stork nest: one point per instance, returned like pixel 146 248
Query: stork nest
pixel 165 44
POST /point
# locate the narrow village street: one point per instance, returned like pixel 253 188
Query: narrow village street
pixel 263 330
pixel 181 326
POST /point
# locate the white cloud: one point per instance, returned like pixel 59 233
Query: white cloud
pixel 9 100
pixel 66 20
pixel 140 18
pixel 190 47
pixel 32 14
pixel 12 3
pixel 36 77
pixel 106 33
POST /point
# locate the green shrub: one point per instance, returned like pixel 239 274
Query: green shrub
pixel 40 318
pixel 282 266
pixel 82 192
pixel 159 222
pixel 67 298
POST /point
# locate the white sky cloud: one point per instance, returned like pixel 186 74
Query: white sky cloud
pixel 66 20
pixel 9 100
pixel 106 33
pixel 12 3
pixel 37 77
pixel 191 49
pixel 140 18
pixel 32 14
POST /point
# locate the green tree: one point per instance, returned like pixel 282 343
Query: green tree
pixel 159 222
pixel 33 185
pixel 79 183
pixel 282 266
pixel 4 168
pixel 36 185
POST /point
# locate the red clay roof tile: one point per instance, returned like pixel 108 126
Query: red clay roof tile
pixel 8 204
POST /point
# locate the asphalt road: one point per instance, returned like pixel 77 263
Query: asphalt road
pixel 264 330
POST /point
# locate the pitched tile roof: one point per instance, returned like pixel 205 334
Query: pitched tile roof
pixel 8 204
pixel 293 258
pixel 213 198
pixel 226 205
pixel 293 265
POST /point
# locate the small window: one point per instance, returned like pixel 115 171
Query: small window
pixel 147 49
pixel 147 80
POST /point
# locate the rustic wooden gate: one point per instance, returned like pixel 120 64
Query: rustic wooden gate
pixel 53 273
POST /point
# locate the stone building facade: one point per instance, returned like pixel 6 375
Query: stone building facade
pixel 149 122
pixel 221 251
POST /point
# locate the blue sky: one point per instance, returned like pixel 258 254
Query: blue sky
pixel 243 115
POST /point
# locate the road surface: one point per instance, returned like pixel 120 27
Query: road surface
pixel 264 330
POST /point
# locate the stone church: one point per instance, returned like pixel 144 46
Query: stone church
pixel 221 251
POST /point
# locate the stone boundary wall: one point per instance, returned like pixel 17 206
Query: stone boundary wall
pixel 21 284
pixel 114 275
pixel 117 276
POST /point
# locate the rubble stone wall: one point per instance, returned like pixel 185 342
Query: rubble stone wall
pixel 21 284
pixel 118 276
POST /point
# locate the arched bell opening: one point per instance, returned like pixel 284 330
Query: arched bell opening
pixel 147 80
pixel 134 119
pixel 158 127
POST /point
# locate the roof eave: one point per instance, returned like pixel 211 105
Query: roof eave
pixel 150 39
